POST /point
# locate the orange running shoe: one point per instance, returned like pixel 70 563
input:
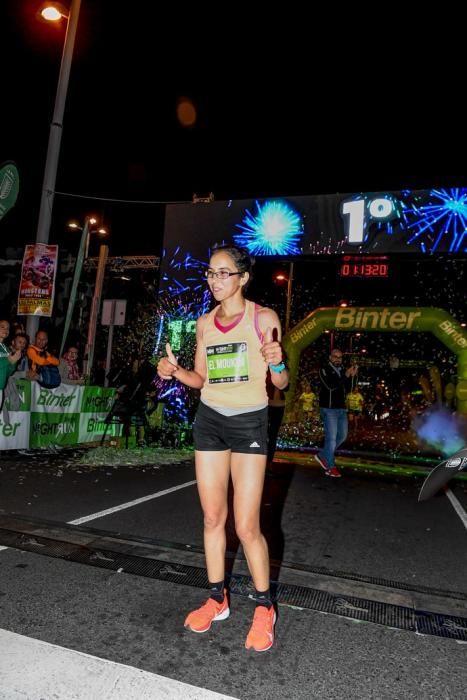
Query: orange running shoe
pixel 261 634
pixel 200 620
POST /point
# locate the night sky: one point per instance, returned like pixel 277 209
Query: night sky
pixel 283 106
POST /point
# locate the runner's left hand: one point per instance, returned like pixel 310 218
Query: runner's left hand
pixel 271 350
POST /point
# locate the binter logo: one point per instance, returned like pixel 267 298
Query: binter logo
pixel 8 429
pixel 304 330
pixel 51 399
pixel 95 426
pixel 374 319
pixel 457 336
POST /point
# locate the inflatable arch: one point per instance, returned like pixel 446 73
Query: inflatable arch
pixel 381 319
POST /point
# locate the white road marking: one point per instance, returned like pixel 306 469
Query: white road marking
pixel 129 504
pixel 457 507
pixel 65 674
pixel 123 506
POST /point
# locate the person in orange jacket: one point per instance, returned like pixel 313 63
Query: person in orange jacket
pixel 43 366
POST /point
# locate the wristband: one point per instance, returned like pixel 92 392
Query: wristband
pixel 277 368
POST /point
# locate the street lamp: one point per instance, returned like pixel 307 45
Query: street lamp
pixel 87 231
pixel 55 134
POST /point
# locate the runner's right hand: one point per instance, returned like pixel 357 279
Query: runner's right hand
pixel 167 366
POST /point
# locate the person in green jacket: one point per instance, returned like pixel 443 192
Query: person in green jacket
pixel 8 359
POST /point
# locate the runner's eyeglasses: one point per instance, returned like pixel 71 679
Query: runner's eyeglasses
pixel 221 275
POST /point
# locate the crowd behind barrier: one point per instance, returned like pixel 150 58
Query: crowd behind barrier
pixel 67 415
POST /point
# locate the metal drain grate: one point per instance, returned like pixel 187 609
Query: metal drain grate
pixel 396 616
pixel 17 523
pixel 377 581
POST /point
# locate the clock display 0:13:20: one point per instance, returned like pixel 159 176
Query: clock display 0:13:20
pixel 364 269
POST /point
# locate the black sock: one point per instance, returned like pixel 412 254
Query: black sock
pixel 217 591
pixel 263 598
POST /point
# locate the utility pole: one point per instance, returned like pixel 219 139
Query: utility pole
pixel 95 307
pixel 55 137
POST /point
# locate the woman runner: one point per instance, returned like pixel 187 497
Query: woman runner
pixel 234 347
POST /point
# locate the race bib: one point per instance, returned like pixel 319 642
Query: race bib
pixel 227 363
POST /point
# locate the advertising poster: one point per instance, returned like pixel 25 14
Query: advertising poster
pixel 37 284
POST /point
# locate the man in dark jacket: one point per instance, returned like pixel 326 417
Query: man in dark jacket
pixel 335 383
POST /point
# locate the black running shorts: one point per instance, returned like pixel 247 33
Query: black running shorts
pixel 245 433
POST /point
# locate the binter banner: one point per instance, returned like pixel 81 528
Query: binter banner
pixel 67 415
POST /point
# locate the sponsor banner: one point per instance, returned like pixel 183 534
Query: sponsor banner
pixel 37 284
pixel 67 415
pixel 56 428
pixel 23 390
pixel 92 427
pixel 66 398
pixel 96 403
pixel 96 399
pixel 15 434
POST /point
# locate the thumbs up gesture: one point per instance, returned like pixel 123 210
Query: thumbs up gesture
pixel 170 356
pixel 167 366
pixel 271 349
pixel 14 356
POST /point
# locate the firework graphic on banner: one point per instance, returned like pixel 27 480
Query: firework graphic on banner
pixel 183 273
pixel 275 229
pixel 439 224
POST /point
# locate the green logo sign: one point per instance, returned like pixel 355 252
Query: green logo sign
pixel 9 187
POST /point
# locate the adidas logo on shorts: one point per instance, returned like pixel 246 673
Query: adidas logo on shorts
pixel 255 444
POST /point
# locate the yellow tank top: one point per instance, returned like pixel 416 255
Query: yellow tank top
pixel 355 402
pixel 235 368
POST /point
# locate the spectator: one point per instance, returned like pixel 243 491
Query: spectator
pixel 8 359
pixel 308 402
pixel 68 367
pixel 335 384
pixel 20 342
pixel 354 402
pixel 43 366
pixel 12 393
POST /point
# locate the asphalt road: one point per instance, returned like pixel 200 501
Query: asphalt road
pixel 357 539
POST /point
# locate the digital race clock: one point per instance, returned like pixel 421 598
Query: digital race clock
pixel 364 266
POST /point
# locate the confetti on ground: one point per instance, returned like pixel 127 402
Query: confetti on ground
pixel 117 456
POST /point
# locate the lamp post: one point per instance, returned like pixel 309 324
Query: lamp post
pixel 95 308
pixel 81 258
pixel 289 298
pixel 281 277
pixel 55 136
